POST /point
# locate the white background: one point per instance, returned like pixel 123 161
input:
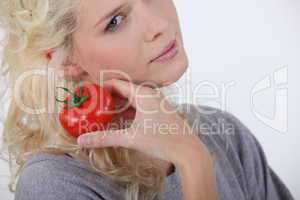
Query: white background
pixel 243 42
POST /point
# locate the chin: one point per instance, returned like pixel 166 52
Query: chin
pixel 176 72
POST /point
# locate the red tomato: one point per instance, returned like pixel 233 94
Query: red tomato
pixel 88 109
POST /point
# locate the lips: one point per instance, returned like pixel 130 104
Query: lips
pixel 165 50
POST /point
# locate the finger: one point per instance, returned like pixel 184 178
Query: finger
pixel 107 138
pixel 124 88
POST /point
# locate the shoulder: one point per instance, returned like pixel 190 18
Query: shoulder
pixel 48 176
pixel 223 133
pixel 233 146
pixel 240 157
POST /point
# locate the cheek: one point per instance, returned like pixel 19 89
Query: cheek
pixel 115 56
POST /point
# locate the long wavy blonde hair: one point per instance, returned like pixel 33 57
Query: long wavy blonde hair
pixel 32 27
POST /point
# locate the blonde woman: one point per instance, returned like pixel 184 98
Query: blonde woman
pixel 141 39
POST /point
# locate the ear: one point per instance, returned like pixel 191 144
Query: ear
pixel 71 70
pixel 48 54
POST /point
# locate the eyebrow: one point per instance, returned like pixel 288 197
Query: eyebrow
pixel 111 13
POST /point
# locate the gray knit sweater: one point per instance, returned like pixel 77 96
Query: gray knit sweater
pixel 241 167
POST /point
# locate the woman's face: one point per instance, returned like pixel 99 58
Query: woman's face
pixel 128 40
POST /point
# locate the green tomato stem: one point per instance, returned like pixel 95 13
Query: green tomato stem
pixel 76 100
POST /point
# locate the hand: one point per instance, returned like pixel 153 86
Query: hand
pixel 156 128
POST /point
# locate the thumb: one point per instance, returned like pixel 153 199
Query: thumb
pixel 107 138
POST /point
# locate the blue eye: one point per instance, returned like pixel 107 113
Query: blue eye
pixel 114 23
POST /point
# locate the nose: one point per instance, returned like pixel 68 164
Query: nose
pixel 156 25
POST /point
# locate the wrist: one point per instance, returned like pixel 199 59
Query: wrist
pixel 191 151
pixel 197 174
pixel 194 154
